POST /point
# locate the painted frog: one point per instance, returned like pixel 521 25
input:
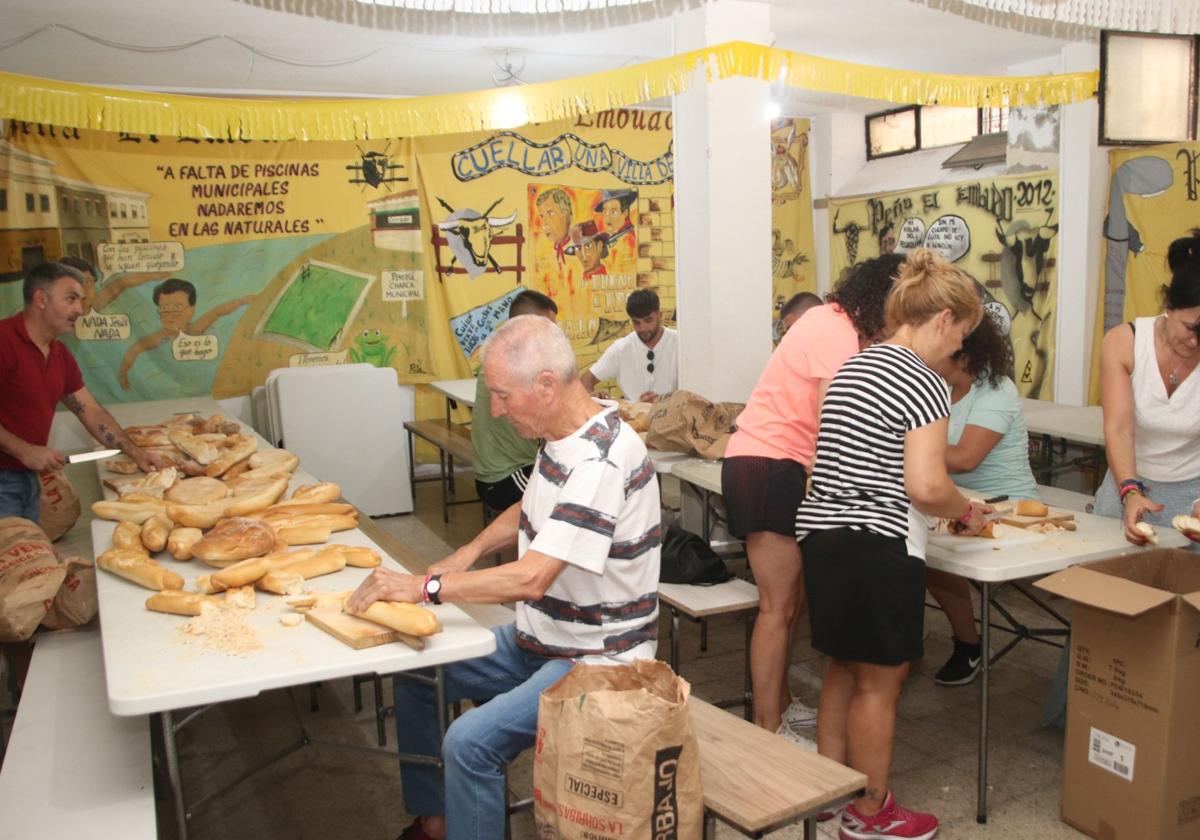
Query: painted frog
pixel 371 346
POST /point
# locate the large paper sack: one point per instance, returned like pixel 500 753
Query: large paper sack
pixel 616 757
pixel 686 422
pixel 60 504
pixel 30 576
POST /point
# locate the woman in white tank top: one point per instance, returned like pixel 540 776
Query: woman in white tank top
pixel 1150 392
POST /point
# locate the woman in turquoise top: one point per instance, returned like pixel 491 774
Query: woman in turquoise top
pixel 988 454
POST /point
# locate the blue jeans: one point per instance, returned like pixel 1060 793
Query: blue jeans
pixel 20 494
pixel 480 744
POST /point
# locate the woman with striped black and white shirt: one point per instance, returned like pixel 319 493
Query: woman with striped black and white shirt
pixel 880 464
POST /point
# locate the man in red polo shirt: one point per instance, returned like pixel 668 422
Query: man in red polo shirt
pixel 37 372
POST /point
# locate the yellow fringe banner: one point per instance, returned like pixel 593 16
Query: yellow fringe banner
pixel 108 109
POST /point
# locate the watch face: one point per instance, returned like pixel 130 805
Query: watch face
pixel 433 587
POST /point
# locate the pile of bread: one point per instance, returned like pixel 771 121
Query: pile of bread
pixel 222 503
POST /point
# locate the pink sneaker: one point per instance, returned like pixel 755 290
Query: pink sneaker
pixel 891 821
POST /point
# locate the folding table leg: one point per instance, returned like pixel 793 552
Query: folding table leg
pixel 986 655
pixel 167 720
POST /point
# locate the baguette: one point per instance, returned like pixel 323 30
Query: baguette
pixel 274 459
pixel 241 573
pixel 203 452
pixel 360 557
pixel 988 530
pixel 177 602
pixel 155 484
pixel 325 491
pixel 1031 507
pixel 1147 531
pixel 128 535
pixel 138 568
pixel 181 540
pixel 332 521
pixel 206 585
pixel 1186 525
pixel 288 509
pixel 282 557
pixel 155 531
pixel 236 470
pixel 241 448
pixel 234 539
pixel 198 516
pixel 407 618
pixel 198 490
pixel 324 562
pixel 122 465
pixel 303 534
pixel 136 508
pixel 281 582
pixel 250 497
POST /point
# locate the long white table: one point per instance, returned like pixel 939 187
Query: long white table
pixel 150 670
pixel 455 391
pixel 1080 425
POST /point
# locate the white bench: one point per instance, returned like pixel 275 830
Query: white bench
pixel 700 603
pixel 72 768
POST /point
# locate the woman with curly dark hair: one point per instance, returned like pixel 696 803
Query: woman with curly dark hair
pixel 767 464
pixel 989 454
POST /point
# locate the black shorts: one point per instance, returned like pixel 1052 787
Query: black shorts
pixel 866 596
pixel 762 494
pixel 503 494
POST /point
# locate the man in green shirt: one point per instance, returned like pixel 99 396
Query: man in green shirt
pixel 504 459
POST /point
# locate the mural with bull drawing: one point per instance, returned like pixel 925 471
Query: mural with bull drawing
pixel 1003 232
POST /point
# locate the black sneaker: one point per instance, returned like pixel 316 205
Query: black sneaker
pixel 962 666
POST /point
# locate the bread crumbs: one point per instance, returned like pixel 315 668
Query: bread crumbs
pixel 221 628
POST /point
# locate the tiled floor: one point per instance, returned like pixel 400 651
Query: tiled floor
pixel 330 792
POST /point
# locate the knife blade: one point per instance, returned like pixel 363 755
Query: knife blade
pixel 92 455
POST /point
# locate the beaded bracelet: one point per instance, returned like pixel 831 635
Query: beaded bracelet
pixel 1133 485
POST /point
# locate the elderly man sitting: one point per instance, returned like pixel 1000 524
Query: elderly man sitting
pixel 588 537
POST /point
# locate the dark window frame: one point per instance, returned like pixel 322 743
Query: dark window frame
pixel 920 145
pixel 1102 137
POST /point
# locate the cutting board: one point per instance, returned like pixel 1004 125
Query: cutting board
pixel 357 632
pixel 1006 537
pixel 1055 517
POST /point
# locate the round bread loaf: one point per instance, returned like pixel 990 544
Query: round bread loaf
pixel 199 490
pixel 234 539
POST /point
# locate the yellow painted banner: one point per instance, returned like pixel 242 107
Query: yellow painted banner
pixel 1003 232
pixel 792 266
pixel 1153 196
pixel 219 261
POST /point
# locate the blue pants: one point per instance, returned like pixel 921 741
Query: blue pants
pixel 480 744
pixel 20 494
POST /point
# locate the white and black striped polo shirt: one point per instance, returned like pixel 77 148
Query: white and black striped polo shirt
pixel 876 398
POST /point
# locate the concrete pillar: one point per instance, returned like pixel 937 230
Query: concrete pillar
pixel 723 211
pixel 1083 190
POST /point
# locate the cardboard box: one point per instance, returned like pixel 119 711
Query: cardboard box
pixel 1131 757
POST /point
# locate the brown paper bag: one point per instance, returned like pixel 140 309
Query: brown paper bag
pixel 60 504
pixel 616 756
pixel 686 422
pixel 30 576
pixel 76 603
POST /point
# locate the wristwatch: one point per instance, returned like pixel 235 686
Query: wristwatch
pixel 433 589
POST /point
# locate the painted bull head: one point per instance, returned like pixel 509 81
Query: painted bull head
pixel 469 234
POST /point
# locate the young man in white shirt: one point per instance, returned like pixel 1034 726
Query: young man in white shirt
pixel 645 363
pixel 588 535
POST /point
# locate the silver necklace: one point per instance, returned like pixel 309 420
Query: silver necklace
pixel 1173 376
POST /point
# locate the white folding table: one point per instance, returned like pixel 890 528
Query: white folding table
pixel 150 671
pixel 1082 425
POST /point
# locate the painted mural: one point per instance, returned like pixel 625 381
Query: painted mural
pixel 1003 232
pixel 792 266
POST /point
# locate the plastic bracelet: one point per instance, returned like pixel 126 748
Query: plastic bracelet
pixel 1130 491
pixel 424 589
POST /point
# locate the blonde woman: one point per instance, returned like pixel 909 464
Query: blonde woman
pixel 881 461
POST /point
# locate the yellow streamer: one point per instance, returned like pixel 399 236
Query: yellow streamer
pixel 108 109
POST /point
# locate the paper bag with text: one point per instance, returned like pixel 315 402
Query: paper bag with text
pixel 76 602
pixel 60 504
pixel 616 756
pixel 30 576
pixel 686 422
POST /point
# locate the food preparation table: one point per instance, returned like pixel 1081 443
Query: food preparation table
pixel 150 671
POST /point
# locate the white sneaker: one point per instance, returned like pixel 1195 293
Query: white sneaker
pixel 785 731
pixel 799 716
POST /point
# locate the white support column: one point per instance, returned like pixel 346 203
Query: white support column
pixel 723 211
pixel 1083 193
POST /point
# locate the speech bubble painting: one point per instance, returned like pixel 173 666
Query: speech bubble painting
pixel 139 256
pixel 949 236
pixel 96 326
pixel 912 234
pixel 194 348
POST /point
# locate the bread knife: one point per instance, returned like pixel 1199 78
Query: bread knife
pixel 93 455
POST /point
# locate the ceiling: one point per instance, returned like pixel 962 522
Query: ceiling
pixel 377 62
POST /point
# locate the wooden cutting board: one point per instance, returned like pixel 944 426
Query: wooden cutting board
pixel 357 632
pixel 1056 517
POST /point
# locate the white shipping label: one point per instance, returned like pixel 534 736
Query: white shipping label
pixel 1113 754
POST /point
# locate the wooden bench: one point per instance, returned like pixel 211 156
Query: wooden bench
pixel 452 441
pixel 72 768
pixel 756 782
pixel 700 603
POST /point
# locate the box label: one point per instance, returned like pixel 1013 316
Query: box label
pixel 1113 754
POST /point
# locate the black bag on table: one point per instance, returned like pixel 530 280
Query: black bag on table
pixel 687 558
